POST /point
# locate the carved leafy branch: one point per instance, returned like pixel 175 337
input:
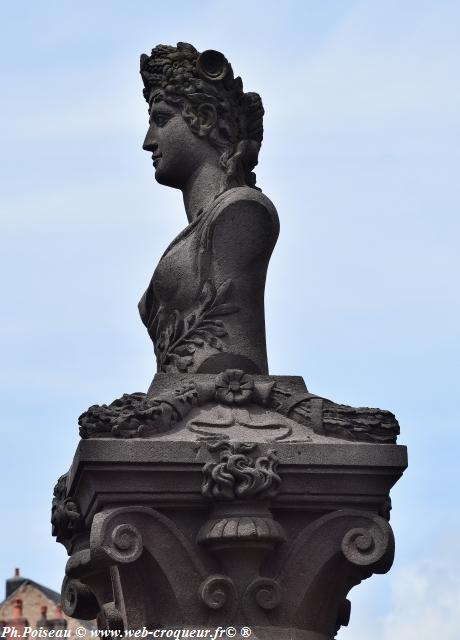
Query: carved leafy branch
pixel 183 335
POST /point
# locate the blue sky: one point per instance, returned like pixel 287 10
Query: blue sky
pixel 361 157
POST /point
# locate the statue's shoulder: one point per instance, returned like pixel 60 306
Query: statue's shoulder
pixel 244 216
pixel 249 200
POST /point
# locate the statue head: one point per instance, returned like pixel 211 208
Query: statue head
pixel 202 89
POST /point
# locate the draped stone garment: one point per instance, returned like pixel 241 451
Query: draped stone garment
pixel 204 306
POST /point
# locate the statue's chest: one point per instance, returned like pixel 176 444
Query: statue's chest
pixel 176 280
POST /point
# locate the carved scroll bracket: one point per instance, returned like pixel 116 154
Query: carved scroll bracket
pixel 346 545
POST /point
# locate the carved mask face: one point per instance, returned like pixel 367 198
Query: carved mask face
pixel 176 151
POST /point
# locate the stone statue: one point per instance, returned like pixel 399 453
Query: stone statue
pixel 224 495
pixel 204 307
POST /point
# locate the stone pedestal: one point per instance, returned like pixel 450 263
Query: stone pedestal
pixel 175 533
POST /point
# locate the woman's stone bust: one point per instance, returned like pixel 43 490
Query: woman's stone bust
pixel 204 307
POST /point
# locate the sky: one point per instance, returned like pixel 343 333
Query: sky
pixel 361 158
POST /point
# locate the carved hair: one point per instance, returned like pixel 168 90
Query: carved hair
pixel 184 77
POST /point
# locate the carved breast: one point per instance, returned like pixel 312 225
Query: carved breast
pixel 204 305
pixel 176 277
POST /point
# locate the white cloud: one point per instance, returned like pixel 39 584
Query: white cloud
pixel 426 600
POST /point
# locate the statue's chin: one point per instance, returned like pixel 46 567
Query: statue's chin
pixel 165 178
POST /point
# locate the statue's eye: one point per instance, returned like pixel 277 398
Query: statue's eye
pixel 160 119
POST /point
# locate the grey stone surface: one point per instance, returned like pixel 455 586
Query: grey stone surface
pixel 224 495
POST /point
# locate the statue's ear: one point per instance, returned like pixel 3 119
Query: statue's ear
pixel 207 117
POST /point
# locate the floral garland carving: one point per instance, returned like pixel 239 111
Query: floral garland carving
pixel 136 415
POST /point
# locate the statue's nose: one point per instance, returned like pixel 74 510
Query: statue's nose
pixel 149 143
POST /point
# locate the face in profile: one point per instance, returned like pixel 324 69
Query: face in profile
pixel 177 152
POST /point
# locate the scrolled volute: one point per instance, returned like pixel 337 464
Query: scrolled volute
pixel 126 543
pixel 368 546
pixel 78 601
pixel 218 591
pixel 114 541
pixel 265 592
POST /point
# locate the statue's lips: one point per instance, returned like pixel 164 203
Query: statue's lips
pixel 156 160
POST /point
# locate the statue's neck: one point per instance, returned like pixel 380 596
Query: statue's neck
pixel 202 188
